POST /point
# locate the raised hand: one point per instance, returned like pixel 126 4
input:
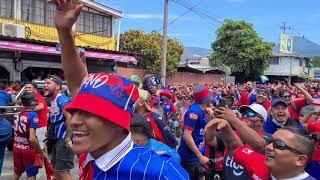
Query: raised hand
pixel 298 86
pixel 216 124
pixel 67 12
pixel 226 114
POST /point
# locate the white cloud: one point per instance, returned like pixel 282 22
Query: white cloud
pixel 147 16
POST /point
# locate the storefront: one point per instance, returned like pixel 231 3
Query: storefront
pixel 24 60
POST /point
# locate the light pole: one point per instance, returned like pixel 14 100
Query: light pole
pixel 164 44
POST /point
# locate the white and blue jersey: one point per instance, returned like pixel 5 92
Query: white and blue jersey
pixel 131 162
pixel 194 120
pixel 57 117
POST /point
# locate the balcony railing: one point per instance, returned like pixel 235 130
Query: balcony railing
pixel 49 34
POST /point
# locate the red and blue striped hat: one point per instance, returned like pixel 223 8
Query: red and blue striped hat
pixel 201 94
pixel 108 96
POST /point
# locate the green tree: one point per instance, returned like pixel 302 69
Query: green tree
pixel 315 62
pixel 239 47
pixel 148 48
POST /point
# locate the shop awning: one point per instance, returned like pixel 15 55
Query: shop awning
pixel 34 48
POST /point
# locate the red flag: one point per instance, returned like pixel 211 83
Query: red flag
pixel 49 169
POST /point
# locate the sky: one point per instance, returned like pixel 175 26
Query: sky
pixel 197 29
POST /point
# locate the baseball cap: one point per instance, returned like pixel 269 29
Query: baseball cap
pixel 264 90
pixel 55 79
pixel 202 94
pixel 278 101
pixel 108 96
pixel 257 108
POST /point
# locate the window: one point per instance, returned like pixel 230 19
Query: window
pixel 274 61
pixel 94 23
pixel 33 11
pixel 300 63
pixel 6 8
pixel 51 10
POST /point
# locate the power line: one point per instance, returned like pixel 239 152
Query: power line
pixel 183 14
pixel 205 13
pixel 198 12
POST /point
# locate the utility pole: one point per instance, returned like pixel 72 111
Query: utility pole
pixel 284 27
pixel 164 44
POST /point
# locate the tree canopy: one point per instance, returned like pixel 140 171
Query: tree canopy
pixel 148 45
pixel 315 62
pixel 240 47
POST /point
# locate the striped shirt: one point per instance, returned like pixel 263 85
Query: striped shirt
pixel 56 115
pixel 131 162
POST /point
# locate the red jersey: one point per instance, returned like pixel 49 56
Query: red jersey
pixel 43 114
pixel 266 105
pixel 313 126
pixel 22 124
pixel 244 99
pixel 294 110
pixel 252 162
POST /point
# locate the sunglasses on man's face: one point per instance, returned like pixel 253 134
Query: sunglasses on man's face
pixel 287 96
pixel 280 145
pixel 250 114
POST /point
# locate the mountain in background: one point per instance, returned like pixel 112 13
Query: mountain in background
pixel 302 47
pixel 194 51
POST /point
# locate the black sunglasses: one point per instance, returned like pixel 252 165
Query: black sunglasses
pixel 279 144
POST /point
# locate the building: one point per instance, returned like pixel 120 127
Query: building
pixel 291 60
pixel 202 65
pixel 195 67
pixel 29 43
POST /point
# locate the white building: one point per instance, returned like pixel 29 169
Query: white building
pixel 292 64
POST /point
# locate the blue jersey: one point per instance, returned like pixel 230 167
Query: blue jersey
pixel 168 108
pixel 56 115
pixel 216 99
pixel 5 98
pixel 142 163
pixel 270 127
pixel 253 97
pixel 194 120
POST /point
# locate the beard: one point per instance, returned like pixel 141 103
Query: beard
pixel 49 93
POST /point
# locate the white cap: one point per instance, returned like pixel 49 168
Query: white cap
pixel 257 108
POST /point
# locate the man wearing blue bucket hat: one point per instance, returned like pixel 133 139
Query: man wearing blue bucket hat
pixel 101 113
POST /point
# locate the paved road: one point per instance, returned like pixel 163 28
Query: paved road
pixel 7 170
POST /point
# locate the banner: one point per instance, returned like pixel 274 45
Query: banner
pixel 286 43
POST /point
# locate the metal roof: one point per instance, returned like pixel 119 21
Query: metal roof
pixel 103 8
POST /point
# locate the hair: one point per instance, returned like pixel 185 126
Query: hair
pixel 27 98
pixel 281 93
pixel 2 86
pixel 304 142
pixel 228 97
pixel 33 84
pixel 140 124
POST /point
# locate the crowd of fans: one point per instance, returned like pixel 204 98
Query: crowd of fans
pixel 134 129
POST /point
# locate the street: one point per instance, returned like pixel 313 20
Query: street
pixel 7 170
